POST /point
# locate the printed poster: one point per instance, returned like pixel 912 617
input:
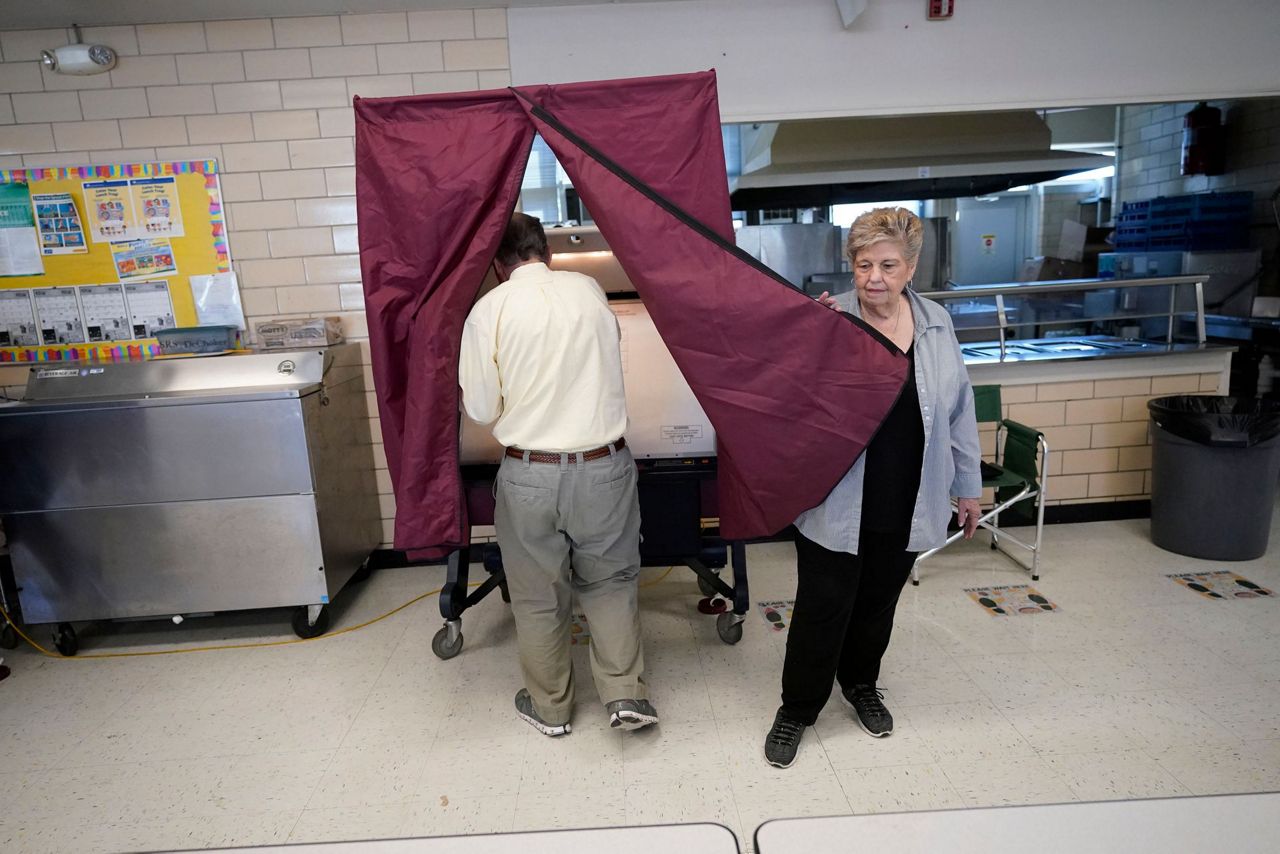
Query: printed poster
pixel 110 212
pixel 58 223
pixel 19 243
pixel 143 259
pixel 150 307
pixel 17 320
pixel 58 314
pixel 106 315
pixel 157 200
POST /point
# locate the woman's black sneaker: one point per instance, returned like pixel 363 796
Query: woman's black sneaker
pixel 783 741
pixel 873 717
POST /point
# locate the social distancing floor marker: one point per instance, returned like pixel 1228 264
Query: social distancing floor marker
pixel 1222 584
pixel 777 614
pixel 1013 600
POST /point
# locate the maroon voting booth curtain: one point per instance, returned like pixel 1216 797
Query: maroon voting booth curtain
pixel 795 391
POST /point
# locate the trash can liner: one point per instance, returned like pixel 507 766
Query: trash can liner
pixel 1217 421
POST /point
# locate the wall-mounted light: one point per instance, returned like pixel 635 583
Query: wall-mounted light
pixel 79 59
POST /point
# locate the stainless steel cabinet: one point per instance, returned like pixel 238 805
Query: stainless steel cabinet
pixel 189 485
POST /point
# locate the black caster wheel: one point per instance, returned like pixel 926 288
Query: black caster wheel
pixel 705 587
pixel 65 640
pixel 8 637
pixel 915 582
pixel 729 627
pixel 304 630
pixel 362 574
pixel 714 557
pixel 442 647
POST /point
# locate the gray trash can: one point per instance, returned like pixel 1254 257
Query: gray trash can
pixel 1214 466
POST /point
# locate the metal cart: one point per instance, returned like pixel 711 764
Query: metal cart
pixel 189 485
pixel 675 495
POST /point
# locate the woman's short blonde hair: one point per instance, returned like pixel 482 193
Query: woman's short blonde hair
pixel 897 224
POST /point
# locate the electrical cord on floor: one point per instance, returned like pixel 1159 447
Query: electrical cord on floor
pixel 259 645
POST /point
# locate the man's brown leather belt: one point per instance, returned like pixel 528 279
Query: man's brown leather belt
pixel 554 457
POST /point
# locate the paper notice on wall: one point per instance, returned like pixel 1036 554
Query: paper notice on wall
pixel 58 315
pixel 157 201
pixel 217 299
pixel 988 244
pixel 58 221
pixel 150 307
pixel 19 243
pixel 109 211
pixel 143 259
pixel 106 315
pixel 17 320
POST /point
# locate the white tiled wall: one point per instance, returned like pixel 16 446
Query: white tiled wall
pixel 271 100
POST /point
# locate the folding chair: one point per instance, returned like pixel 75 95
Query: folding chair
pixel 1019 477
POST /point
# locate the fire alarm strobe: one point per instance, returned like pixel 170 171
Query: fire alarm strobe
pixel 940 10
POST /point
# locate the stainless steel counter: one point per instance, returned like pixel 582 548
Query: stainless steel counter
pixel 1066 349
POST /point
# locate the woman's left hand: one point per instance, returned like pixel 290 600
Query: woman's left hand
pixel 967 513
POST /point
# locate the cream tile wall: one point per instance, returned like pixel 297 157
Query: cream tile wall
pixel 1097 431
pixel 271 100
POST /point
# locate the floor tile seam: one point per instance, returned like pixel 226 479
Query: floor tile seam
pixel 369 693
pixel 733 794
pixel 970 803
pixel 1150 754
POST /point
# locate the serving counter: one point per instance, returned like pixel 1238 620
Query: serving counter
pixel 1079 360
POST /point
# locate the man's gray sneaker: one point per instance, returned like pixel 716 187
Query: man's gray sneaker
pixel 631 714
pixel 783 741
pixel 872 716
pixel 524 708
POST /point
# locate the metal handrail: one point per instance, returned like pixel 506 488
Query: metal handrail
pixel 1016 289
pixel 964 291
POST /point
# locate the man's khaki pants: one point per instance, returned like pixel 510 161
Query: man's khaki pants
pixel 565 529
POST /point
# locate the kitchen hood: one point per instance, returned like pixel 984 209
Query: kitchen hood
pixel 837 161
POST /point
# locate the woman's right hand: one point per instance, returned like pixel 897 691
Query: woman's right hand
pixel 829 301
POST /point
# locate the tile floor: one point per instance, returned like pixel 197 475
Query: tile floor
pixel 1137 688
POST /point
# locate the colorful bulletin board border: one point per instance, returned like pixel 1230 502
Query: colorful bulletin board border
pixel 199 249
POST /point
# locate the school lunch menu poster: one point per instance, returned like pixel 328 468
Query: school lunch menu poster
pixel 58 224
pixel 126 209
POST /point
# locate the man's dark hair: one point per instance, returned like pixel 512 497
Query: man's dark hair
pixel 524 240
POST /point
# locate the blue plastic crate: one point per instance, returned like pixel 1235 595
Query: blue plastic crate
pixel 1238 205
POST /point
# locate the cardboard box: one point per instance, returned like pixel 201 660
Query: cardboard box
pixel 1044 268
pixel 299 332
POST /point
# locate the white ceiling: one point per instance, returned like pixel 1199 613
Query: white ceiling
pixel 63 13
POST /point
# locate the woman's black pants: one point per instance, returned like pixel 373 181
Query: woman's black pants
pixel 842 619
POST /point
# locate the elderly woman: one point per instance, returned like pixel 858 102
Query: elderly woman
pixel 855 550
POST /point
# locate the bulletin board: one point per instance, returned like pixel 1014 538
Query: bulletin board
pixel 94 260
